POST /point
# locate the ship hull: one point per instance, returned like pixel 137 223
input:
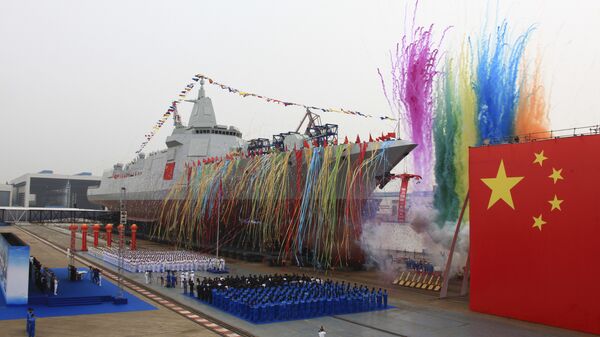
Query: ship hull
pixel 145 193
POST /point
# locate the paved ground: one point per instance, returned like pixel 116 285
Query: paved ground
pixel 417 313
pixel 164 322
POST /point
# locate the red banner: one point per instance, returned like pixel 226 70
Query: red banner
pixel 169 168
pixel 535 230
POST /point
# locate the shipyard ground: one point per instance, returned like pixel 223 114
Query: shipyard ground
pixel 415 312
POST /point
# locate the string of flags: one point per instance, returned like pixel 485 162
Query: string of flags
pixel 183 93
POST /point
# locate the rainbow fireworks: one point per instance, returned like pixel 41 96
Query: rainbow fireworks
pixel 485 94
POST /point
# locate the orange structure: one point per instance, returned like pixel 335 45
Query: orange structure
pixel 73 228
pixel 96 229
pixel 108 234
pixel 406 177
pixel 133 238
pixel 84 229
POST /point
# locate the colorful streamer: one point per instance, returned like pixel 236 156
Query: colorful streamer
pixel 287 103
pixel 183 93
pixel 299 204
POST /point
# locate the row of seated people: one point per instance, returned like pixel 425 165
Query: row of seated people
pixel 271 298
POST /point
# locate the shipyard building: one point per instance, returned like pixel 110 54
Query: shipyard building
pixel 47 189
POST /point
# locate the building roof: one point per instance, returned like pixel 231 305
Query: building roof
pixel 78 176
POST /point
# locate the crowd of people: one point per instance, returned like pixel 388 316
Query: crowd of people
pixel 419 265
pixel 45 279
pixel 268 298
pixel 159 261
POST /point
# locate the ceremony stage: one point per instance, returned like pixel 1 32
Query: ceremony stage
pixel 73 298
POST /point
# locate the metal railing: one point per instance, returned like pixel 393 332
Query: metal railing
pixel 544 135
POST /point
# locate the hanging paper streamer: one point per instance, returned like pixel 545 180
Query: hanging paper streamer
pixel 172 109
pixel 183 93
pixel 287 103
pixel 303 205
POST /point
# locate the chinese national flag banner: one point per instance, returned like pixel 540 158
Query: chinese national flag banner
pixel 535 231
pixel 169 168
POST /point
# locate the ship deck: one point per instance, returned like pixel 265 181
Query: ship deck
pixel 415 312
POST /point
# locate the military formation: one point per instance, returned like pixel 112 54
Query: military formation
pixel 276 297
pixel 159 261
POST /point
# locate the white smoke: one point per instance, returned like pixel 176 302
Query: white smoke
pixel 381 241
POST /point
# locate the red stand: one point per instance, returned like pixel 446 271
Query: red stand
pixel 84 229
pixel 73 228
pixel 96 229
pixel 108 234
pixel 133 238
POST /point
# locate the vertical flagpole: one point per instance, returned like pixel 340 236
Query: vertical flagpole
pixel 464 289
pixel 219 218
pixel 444 291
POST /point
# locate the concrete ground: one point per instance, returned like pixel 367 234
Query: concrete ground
pixel 416 312
pixel 161 322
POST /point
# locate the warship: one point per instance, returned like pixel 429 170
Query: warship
pixel 145 181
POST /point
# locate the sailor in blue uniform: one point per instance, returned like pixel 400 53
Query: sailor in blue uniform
pixel 29 315
pixel 379 298
pixel 385 298
pixel 31 326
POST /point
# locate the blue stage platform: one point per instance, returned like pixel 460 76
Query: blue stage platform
pixel 74 298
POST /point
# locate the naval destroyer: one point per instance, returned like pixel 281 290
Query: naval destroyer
pixel 145 181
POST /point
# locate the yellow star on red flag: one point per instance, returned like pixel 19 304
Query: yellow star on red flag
pixel 538 222
pixel 556 175
pixel 555 203
pixel 539 158
pixel 501 186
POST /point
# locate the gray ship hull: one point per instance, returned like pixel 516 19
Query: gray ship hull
pixel 147 190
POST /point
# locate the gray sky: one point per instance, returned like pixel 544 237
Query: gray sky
pixel 81 82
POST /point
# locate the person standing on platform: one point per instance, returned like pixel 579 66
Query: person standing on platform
pixel 99 278
pixel 322 332
pixel 185 287
pixel 55 286
pixel 385 299
pixel 31 326
pixel 379 298
pixel 191 284
pixel 147 276
pixel 29 315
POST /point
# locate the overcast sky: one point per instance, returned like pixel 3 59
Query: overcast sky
pixel 81 82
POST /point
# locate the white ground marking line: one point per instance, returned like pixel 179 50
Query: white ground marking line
pixel 154 297
pixel 192 316
pixel 185 312
pixel 221 329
